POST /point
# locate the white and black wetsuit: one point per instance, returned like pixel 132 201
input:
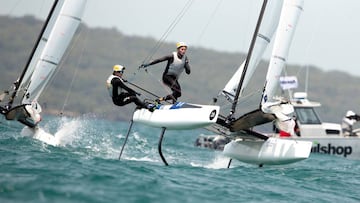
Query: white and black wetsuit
pixel 174 67
pixel 122 94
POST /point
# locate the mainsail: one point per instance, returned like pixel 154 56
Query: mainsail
pixel 285 32
pixel 270 103
pixel 58 31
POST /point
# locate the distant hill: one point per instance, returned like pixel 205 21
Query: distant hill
pixel 79 85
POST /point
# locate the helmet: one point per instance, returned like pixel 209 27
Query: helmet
pixel 181 44
pixel 118 68
pixel 350 113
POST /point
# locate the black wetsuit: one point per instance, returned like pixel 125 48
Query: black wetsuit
pixel 124 98
pixel 169 79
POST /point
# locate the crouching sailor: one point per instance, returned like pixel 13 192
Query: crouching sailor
pixel 122 94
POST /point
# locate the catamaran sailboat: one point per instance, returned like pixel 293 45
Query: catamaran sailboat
pixel 327 138
pixel 245 144
pixel 22 102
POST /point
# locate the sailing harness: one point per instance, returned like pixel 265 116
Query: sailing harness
pixel 109 86
pixel 177 66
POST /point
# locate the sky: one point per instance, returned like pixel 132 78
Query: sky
pixel 327 35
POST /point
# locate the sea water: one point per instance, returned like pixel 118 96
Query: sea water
pixel 85 167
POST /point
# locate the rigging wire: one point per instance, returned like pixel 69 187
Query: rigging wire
pixel 306 66
pixel 313 34
pixel 13 8
pixel 251 8
pixel 40 9
pixel 140 88
pixel 160 42
pixel 77 67
pixel 168 30
pixel 209 20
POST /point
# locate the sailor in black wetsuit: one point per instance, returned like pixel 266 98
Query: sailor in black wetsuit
pixel 177 62
pixel 120 93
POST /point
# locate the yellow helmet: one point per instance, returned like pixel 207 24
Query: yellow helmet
pixel 181 44
pixel 118 68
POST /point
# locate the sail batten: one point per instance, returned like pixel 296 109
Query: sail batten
pixel 264 37
pixel 50 62
pixel 73 17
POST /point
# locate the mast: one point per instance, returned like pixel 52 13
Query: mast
pixel 236 98
pixel 18 82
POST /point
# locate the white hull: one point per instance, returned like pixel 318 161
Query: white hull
pixel 346 147
pixel 179 116
pixel 274 151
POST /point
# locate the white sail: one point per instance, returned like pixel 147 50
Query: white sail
pixel 269 103
pixel 289 17
pixel 59 38
pixel 266 31
pixel 24 83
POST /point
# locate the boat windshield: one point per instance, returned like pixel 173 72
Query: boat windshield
pixel 307 115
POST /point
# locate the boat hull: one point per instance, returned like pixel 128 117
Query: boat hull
pixel 179 116
pixel 25 114
pixel 346 147
pixel 273 151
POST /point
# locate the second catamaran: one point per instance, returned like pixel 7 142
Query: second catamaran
pixel 247 145
pixel 22 102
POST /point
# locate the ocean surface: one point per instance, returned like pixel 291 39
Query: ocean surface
pixel 85 168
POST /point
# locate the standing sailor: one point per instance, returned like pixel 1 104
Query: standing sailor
pixel 347 123
pixel 176 63
pixel 122 94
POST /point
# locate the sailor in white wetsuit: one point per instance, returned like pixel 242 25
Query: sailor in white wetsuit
pixel 120 93
pixel 177 62
pixel 347 123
